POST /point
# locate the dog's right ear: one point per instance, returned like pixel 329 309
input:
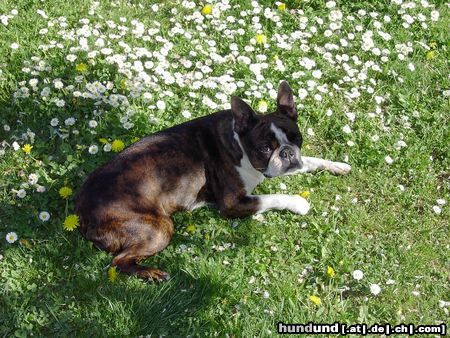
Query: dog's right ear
pixel 244 116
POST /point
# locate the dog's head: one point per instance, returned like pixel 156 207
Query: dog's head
pixel 272 142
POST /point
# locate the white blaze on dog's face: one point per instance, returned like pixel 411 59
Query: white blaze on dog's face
pixel 271 142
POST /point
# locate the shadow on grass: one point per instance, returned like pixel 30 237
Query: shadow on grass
pixel 65 291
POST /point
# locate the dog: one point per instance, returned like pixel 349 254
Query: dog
pixel 125 206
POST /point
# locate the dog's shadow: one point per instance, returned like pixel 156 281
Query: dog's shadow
pixel 73 292
pixel 130 306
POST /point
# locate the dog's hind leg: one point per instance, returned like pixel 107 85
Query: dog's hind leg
pixel 146 236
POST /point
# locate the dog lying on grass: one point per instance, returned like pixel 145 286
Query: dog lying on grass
pixel 125 205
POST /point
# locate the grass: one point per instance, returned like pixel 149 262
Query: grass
pixel 230 277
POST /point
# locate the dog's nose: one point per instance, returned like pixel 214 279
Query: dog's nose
pixel 287 153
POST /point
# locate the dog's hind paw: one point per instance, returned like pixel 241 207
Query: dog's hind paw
pixel 154 275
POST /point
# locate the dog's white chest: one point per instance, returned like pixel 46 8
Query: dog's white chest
pixel 249 175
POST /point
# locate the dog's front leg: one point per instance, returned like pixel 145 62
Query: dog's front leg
pixel 313 164
pixel 256 204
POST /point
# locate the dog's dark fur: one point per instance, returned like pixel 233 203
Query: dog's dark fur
pixel 125 205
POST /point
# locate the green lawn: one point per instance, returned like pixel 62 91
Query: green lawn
pixel 371 80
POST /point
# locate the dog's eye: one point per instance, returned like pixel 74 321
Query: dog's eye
pixel 265 148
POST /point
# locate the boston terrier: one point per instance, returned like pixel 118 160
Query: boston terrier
pixel 125 205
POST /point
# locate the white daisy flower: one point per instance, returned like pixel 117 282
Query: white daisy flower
pixel 375 289
pixel 44 216
pixel 358 274
pixel 11 237
pixel 437 210
pixel 93 149
pixel 21 193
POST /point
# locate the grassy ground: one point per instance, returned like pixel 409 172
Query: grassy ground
pixel 389 99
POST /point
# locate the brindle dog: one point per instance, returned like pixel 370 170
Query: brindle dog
pixel 125 205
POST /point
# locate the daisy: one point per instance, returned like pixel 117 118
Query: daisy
pixel 11 237
pixel 375 289
pixel 358 274
pixel 44 216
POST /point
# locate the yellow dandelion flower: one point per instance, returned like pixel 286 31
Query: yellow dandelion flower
pixel 103 140
pixel 190 228
pixel 81 67
pixel 330 272
pixel 305 194
pixel 71 222
pixel 27 148
pixel 261 39
pixel 207 9
pixel 315 299
pixel 431 54
pixel 65 192
pixel 117 145
pixel 282 6
pixel 112 274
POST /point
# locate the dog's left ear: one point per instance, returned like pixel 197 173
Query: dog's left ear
pixel 285 101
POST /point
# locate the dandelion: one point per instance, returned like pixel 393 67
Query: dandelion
pixel 27 148
pixel 11 237
pixel 207 9
pixel 375 289
pixel 117 146
pixel 112 274
pixel 65 192
pixel 44 216
pixel 315 299
pixel 305 194
pixel 281 6
pixel 190 228
pixel 330 272
pixel 430 55
pixel 261 39
pixel 81 67
pixel 358 274
pixel 71 222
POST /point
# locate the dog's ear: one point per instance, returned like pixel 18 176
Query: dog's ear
pixel 244 116
pixel 285 101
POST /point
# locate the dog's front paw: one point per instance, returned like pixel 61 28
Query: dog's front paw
pixel 299 205
pixel 339 168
